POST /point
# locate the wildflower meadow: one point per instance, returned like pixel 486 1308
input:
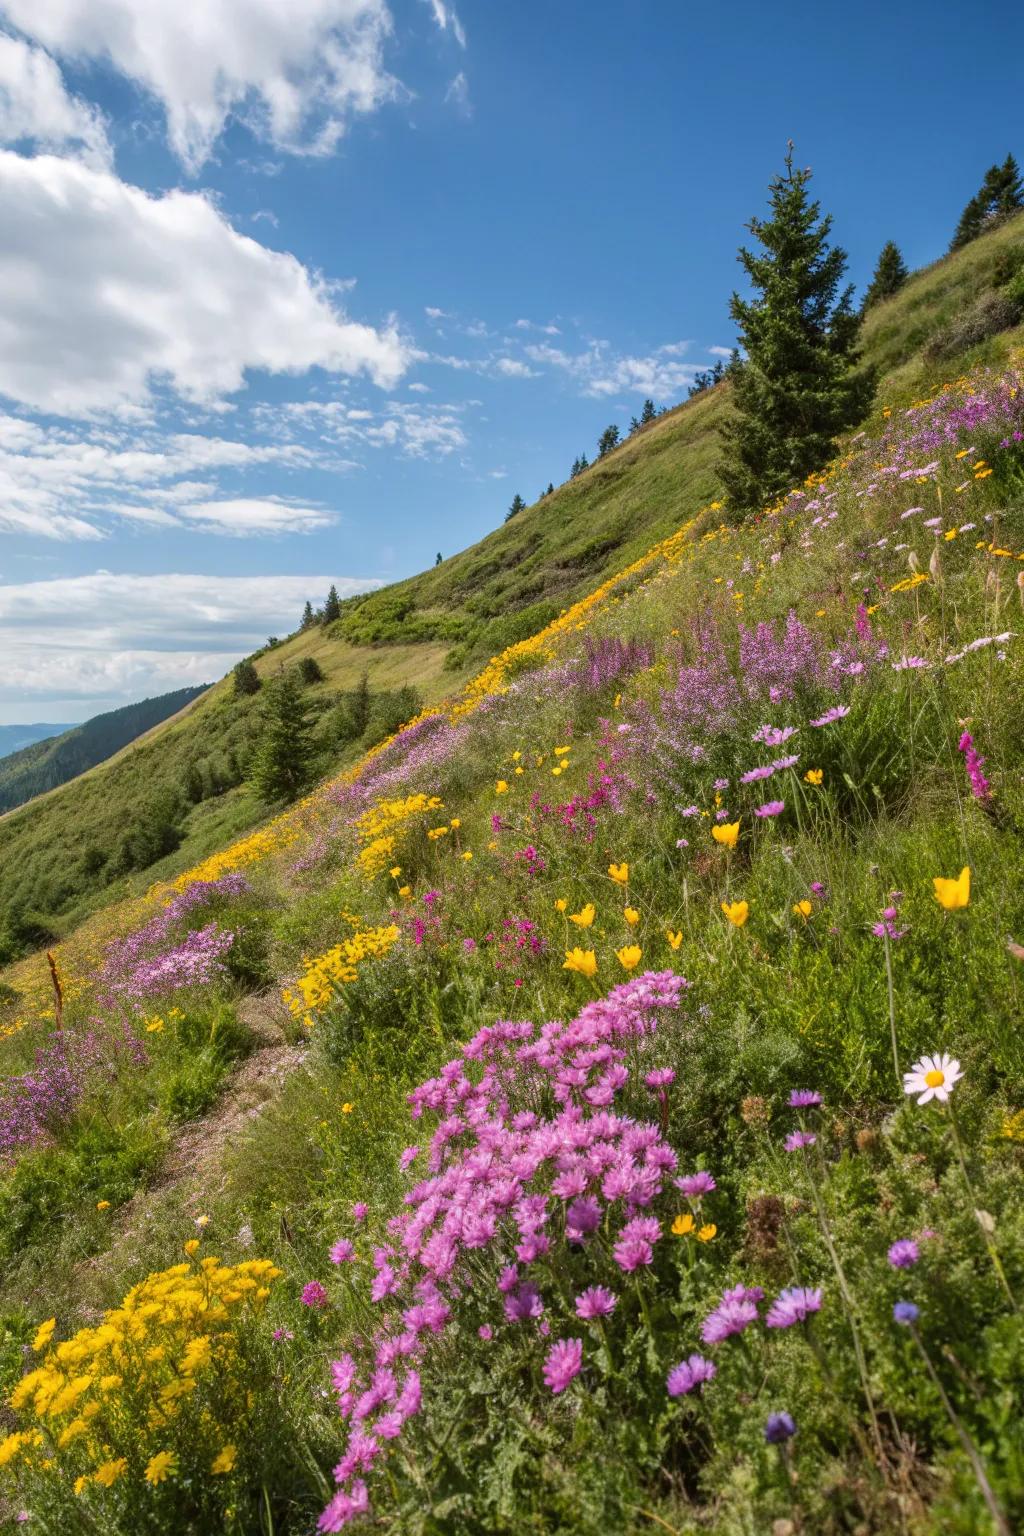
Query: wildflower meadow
pixel 654 1155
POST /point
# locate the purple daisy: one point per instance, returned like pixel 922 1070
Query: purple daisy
pixel 564 1361
pixel 904 1253
pixel 595 1301
pixel 804 1098
pixel 682 1378
pixel 793 1305
pixel 693 1185
pixel 797 1140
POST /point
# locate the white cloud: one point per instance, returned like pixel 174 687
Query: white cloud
pixel 600 372
pixel 35 106
pixel 295 72
pixel 419 389
pixel 458 94
pixel 61 484
pixel 102 639
pixel 513 368
pixel 433 313
pixel 445 16
pixel 247 515
pixel 106 292
pixel 416 429
pixel 725 352
pixel 533 325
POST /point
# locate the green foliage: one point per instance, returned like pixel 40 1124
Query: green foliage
pixel 281 763
pixel 518 505
pixel 797 387
pixel 988 316
pixel 310 670
pixel 1000 196
pixel 246 678
pixel 332 606
pixel 889 276
pixel 198 1048
pixel 608 440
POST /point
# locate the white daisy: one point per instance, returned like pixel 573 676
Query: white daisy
pixel 932 1077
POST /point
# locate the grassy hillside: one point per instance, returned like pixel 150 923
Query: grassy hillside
pixel 48 764
pixel 66 855
pixel 724 1233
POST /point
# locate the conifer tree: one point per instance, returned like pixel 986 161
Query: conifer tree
pixel 608 440
pixel 551 488
pixel 247 679
pixel 890 275
pixel 518 505
pixel 648 413
pixel 576 469
pixel 307 615
pixel 332 607
pixel 797 387
pixel 281 763
pixel 1000 195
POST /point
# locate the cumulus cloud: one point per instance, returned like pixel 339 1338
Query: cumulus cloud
pixel 98 640
pixel 248 515
pixel 725 352
pixel 295 72
pixel 513 368
pixel 100 301
pixel 533 325
pixel 600 371
pixel 35 106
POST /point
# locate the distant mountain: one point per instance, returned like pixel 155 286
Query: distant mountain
pixel 14 737
pixel 45 764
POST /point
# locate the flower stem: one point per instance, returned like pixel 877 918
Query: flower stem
pixel 892 1008
pixel 995 1509
pixel 993 1251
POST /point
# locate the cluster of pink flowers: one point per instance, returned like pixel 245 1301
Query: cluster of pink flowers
pixel 981 789
pixel 508 1181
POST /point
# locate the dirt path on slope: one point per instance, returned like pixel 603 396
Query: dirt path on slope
pixel 191 1174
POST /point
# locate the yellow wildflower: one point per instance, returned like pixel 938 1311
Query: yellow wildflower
pixel 501 788
pixel 952 894
pixel 560 904
pixel 224 1461
pixel 44 1333
pixel 619 873
pixel 674 939
pixel 192 1246
pixel 405 891
pixel 347 1109
pixel 160 1467
pixel 629 957
pixel 394 873
pixel 737 912
pixel 707 1232
pixel 467 855
pixel 103 1205
pixel 802 908
pixel 109 1472
pixel 584 917
pixel 727 834
pixel 582 960
pixel 683 1225
pixel 631 915
pixel 814 776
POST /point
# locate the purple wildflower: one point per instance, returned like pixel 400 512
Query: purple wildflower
pixel 770 808
pixel 797 1140
pixel 735 1312
pixel 360 1211
pixel 630 1253
pixel 564 1361
pixel 906 1312
pixel 314 1294
pixel 661 1077
pixel 682 1378
pixel 804 1098
pixel 837 712
pixel 693 1185
pixel 343 1251
pixel 904 1253
pixel 981 789
pixel 779 1428
pixel 793 1305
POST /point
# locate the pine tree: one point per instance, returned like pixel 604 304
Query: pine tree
pixel 310 670
pixel 332 607
pixel 551 488
pixel 308 616
pixel 890 275
pixel 576 469
pixel 797 388
pixel 648 413
pixel 608 440
pixel 518 505
pixel 1000 195
pixel 438 561
pixel 247 679
pixel 281 763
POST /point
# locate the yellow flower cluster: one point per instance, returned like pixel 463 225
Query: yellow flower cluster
pixel 159 1384
pixel 338 967
pixel 378 826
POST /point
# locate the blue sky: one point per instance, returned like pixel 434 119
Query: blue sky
pixel 292 293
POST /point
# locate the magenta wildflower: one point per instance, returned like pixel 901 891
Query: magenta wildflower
pixel 314 1294
pixel 661 1077
pixel 981 789
pixel 360 1211
pixel 693 1185
pixel 804 1098
pixel 564 1361
pixel 797 1140
pixel 345 1507
pixel 770 808
pixel 632 1252
pixel 793 1305
pixel 408 1157
pixel 343 1252
pixel 682 1378
pixel 837 712
pixel 595 1301
pixel 904 1253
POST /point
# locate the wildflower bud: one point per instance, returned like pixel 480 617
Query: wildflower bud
pixel 913 562
pixel 867 1139
pixel 755 1111
pixel 935 567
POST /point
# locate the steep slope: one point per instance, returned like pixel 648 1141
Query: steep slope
pixel 50 763
pixel 655 1156
pixel 60 857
